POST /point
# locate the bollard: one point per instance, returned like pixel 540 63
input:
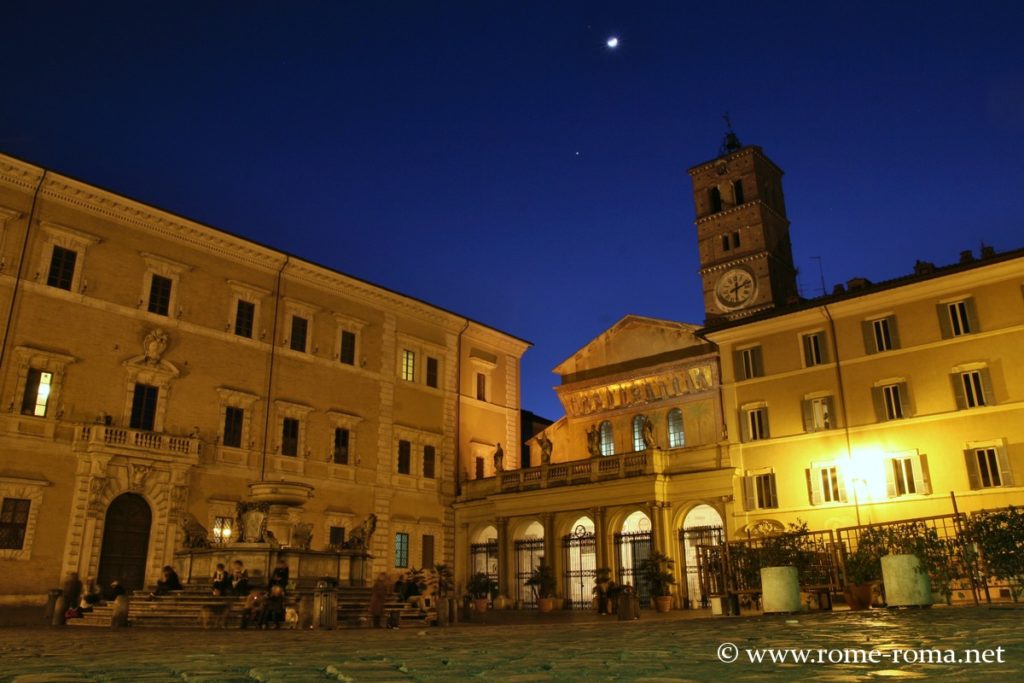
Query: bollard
pixel 59 607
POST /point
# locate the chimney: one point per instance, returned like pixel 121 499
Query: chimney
pixel 855 283
pixel 923 267
pixel 987 251
pixel 966 256
pixel 838 289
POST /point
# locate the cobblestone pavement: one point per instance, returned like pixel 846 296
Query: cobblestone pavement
pixel 646 650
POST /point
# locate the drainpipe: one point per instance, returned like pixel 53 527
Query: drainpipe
pixel 21 268
pixel 270 368
pixel 842 399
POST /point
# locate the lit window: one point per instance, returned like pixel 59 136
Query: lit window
pixel 607 439
pixel 814 352
pixel 408 365
pixel 676 435
pixel 988 468
pixel 748 363
pixel 973 388
pixel 13 523
pixel 755 422
pixel 826 485
pixel 817 414
pixel 759 491
pixel 401 550
pixel 638 433
pixel 38 384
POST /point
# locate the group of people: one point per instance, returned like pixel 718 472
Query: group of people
pixel 263 608
pixel 409 588
pixel 80 599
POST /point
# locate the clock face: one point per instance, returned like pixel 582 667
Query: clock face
pixel 735 288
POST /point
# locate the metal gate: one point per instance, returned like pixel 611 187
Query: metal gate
pixel 483 558
pixel 529 553
pixel 690 539
pixel 580 548
pixel 631 549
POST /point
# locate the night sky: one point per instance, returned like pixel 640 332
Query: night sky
pixel 499 160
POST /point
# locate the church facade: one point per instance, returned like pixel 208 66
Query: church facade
pixel 156 370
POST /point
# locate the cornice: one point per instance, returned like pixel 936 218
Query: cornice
pixel 19 174
pixel 736 209
pixel 499 340
pixel 723 265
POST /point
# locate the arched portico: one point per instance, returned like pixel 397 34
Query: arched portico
pixel 702 525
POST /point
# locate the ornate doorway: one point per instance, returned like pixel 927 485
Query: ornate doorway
pixel 125 542
pixel 580 548
pixel 633 545
pixel 701 527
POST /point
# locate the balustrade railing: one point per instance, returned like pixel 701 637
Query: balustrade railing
pixel 93 435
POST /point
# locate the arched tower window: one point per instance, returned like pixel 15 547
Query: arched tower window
pixel 715 197
pixel 676 437
pixel 737 192
pixel 607 439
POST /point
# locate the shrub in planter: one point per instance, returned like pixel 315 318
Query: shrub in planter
pixel 931 563
pixel 656 570
pixel 998 536
pixel 480 587
pixel 543 583
pixel 783 558
pixel 864 568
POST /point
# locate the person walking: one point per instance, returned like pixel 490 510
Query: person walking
pixel 378 596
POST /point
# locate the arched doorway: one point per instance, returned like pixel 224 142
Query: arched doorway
pixel 634 544
pixel 125 542
pixel 483 553
pixel 701 526
pixel 580 548
pixel 529 549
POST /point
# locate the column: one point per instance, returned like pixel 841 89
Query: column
pixel 551 554
pixel 600 536
pixel 505 570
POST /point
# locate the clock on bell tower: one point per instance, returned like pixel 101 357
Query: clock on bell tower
pixel 746 260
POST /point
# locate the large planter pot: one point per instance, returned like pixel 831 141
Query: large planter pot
pixel 479 605
pixel 501 602
pixel 858 595
pixel 545 605
pixel 780 590
pixel 663 603
pixel 905 584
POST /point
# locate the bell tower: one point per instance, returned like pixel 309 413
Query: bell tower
pixel 746 260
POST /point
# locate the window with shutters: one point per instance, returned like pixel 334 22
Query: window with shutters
pixel 988 467
pixel 817 414
pixel 676 435
pixel 755 423
pixel 759 491
pixel 429 461
pixel 972 388
pixel 891 401
pixel 404 457
pixel 638 433
pixel 37 392
pixel 907 475
pixel 144 399
pixel 607 437
pixel 957 318
pixel 427 548
pixel 815 352
pixel 883 335
pixel 748 363
pixel 825 484
pixel 401 550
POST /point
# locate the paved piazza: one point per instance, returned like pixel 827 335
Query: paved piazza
pixel 673 649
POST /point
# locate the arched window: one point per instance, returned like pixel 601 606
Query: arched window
pixel 638 433
pixel 607 439
pixel 715 197
pixel 676 437
pixel 737 191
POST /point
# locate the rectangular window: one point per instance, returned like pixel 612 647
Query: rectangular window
pixel 300 327
pixel 340 446
pixel 401 550
pixel 882 335
pixel 676 435
pixel 428 551
pixel 290 437
pixel 245 317
pixel 814 351
pixel 13 522
pixel 481 386
pixel 429 457
pixel 826 485
pixel 62 268
pixel 988 468
pixel 223 529
pixel 725 242
pixel 892 400
pixel 736 240
pixel 233 420
pixel 404 457
pixel 759 491
pixel 37 392
pixel 348 347
pixel 408 365
pixel 748 363
pixel 817 414
pixel 959 322
pixel 144 407
pixel 160 295
pixel 336 537
pixel 755 424
pixel 431 372
pixel 903 476
pixel 974 389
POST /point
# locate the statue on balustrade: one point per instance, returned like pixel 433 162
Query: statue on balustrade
pixel 360 538
pixel 648 434
pixel 594 441
pixel 545 449
pixel 499 460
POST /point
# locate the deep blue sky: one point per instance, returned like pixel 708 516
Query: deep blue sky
pixel 495 158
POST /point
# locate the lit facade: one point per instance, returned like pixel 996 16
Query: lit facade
pixel 151 356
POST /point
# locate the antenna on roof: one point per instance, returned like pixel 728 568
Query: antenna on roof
pixel 821 274
pixel 731 142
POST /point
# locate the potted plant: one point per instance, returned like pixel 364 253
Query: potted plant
pixel 479 587
pixel 443 583
pixel 914 561
pixel 656 571
pixel 543 582
pixel 998 537
pixel 782 559
pixel 863 568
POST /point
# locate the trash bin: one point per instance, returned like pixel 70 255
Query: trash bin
pixel 52 596
pixel 628 607
pixel 325 605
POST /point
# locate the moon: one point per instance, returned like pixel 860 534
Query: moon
pixel 612 42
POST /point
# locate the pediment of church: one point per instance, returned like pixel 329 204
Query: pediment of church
pixel 631 339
